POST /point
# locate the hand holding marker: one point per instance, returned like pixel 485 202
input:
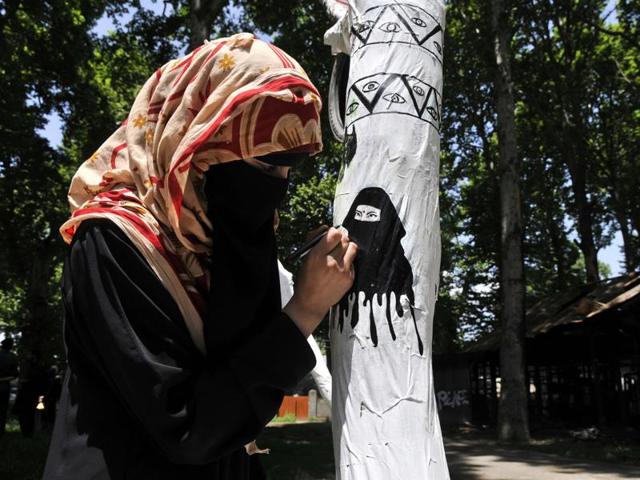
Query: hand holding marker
pixel 306 247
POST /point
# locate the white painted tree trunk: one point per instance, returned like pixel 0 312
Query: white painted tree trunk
pixel 385 418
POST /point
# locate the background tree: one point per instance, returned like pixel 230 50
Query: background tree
pixel 616 125
pixel 513 422
pixel 42 49
pixel 562 90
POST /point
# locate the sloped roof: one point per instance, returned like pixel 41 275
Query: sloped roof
pixel 573 306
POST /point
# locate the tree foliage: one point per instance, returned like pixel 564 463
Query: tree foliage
pixel 577 117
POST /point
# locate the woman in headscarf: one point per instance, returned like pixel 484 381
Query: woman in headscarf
pixel 177 346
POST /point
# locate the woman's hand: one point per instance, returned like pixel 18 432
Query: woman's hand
pixel 325 277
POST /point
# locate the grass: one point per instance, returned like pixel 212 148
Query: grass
pixel 298 451
pixel 302 451
pixel 22 458
pixel 287 418
pixel 291 418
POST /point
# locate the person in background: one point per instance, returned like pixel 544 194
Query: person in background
pixel 8 372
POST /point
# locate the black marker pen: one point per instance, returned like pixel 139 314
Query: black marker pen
pixel 305 248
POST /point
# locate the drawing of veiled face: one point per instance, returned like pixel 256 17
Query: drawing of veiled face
pixel 373 223
pixel 381 266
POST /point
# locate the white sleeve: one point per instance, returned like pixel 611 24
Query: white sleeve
pixel 320 373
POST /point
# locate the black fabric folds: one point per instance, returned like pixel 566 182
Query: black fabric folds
pixel 139 400
pixel 244 269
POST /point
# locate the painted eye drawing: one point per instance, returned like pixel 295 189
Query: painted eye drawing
pixel 381 266
pixel 352 108
pixel 394 98
pixel 390 27
pixel 419 90
pixel 370 86
pixel 364 26
pixel 419 22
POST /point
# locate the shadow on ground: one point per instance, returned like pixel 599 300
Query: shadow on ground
pixel 304 452
pixel 481 460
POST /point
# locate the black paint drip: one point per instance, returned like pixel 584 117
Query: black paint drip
pixel 350 146
pixel 381 266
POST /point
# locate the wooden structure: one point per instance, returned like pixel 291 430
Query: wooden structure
pixel 296 406
pixel 582 358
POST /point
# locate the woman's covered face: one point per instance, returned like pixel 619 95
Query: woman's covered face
pixel 243 195
pixel 281 171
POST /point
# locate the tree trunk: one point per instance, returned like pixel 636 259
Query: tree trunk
pixel 381 331
pixel 557 239
pixel 34 333
pixel 628 241
pixel 201 16
pixel 628 244
pixel 513 422
pixel 577 171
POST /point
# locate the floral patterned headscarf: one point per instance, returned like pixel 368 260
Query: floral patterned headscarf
pixel 230 99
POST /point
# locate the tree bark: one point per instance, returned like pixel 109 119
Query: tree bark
pixel 576 151
pixel 513 422
pixel 34 332
pixel 202 13
pixel 628 244
pixel 573 144
pixel 577 171
pixel 631 257
pixel 557 238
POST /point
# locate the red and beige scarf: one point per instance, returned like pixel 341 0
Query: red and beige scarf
pixel 230 99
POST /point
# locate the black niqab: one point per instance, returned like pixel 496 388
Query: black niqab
pixel 244 270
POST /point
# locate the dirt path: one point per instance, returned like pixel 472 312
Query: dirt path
pixel 473 461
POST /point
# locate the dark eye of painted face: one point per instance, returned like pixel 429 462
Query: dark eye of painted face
pixel 419 22
pixel 367 213
pixel 390 27
pixel 370 86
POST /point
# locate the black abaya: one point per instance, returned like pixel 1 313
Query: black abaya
pixel 139 400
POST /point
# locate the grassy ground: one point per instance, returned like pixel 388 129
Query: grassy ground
pixel 299 451
pixel 22 458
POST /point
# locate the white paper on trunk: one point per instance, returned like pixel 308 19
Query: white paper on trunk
pixel 385 418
